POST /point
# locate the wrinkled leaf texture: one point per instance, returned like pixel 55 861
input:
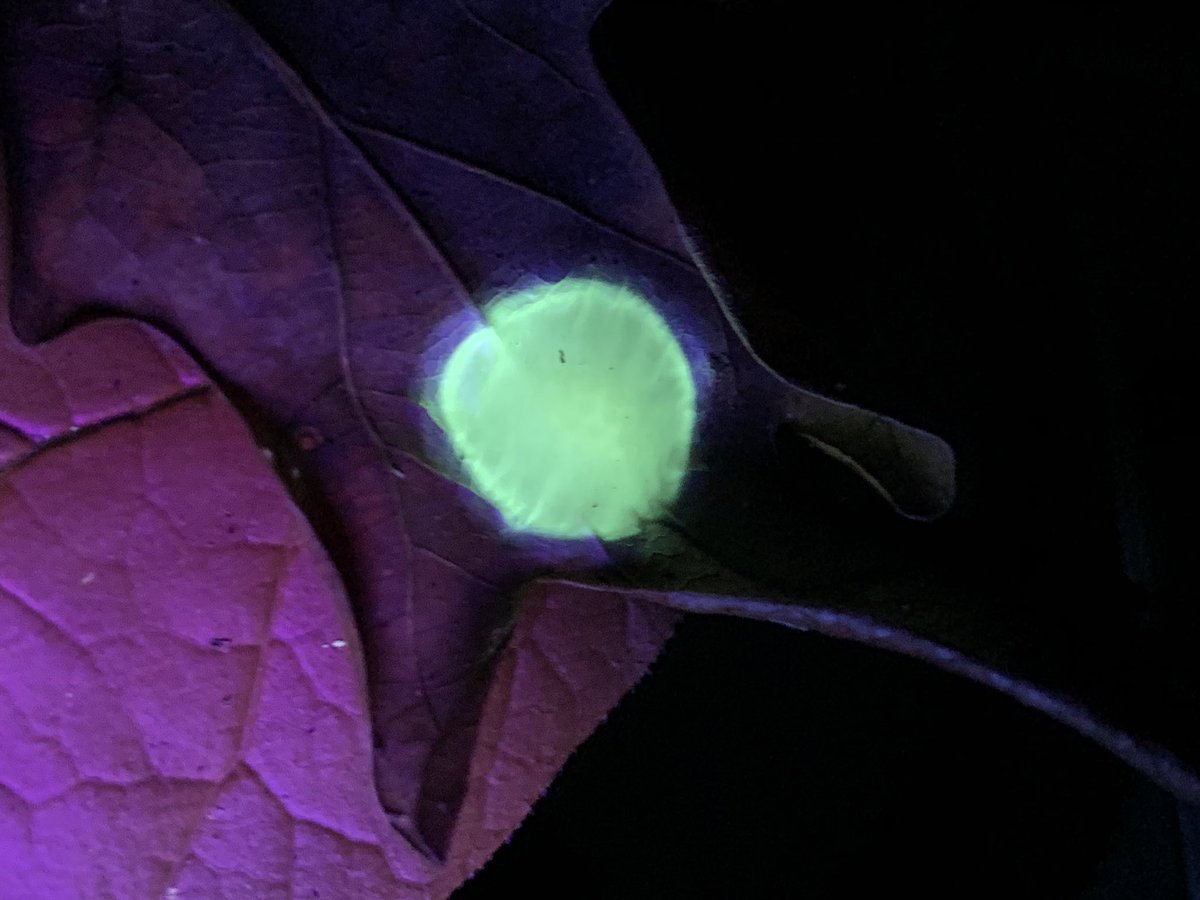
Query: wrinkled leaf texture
pixel 303 196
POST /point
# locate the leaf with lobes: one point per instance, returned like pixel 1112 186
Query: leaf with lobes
pixel 303 196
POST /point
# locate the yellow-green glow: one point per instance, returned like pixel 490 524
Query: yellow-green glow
pixel 573 410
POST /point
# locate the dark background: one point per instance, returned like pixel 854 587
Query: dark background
pixel 981 221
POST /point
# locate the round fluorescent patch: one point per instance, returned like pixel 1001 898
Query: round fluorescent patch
pixel 572 410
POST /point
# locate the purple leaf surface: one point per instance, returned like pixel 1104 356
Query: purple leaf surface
pixel 182 689
pixel 313 199
pixel 307 227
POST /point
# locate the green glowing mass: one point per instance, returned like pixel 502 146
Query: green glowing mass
pixel 572 410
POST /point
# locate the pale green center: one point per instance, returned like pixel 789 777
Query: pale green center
pixel 572 410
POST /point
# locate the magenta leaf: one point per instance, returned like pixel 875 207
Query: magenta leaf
pixel 308 197
pixel 181 690
pixel 305 228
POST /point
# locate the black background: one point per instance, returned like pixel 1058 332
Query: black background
pixel 980 221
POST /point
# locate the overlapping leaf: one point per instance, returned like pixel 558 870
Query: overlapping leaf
pixel 181 690
pixel 313 198
pixel 307 227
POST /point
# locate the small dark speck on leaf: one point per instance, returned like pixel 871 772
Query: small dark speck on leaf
pixel 220 642
pixel 561 357
pixel 308 438
pixel 227 698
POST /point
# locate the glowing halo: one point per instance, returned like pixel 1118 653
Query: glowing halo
pixel 572 409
